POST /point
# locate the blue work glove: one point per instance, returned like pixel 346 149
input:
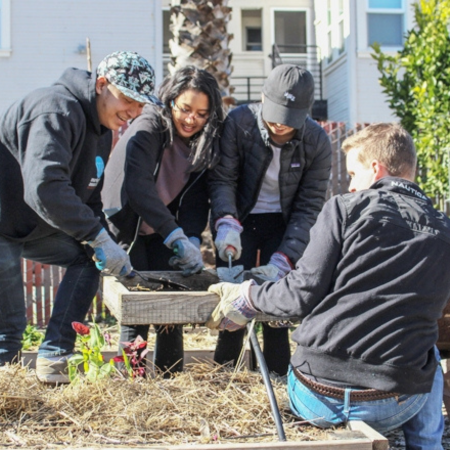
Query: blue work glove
pixel 110 257
pixel 279 266
pixel 228 235
pixel 188 256
pixel 235 308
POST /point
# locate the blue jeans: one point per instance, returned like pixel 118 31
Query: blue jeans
pixel 73 299
pixel 420 416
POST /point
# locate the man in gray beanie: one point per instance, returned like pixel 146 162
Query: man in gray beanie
pixel 54 144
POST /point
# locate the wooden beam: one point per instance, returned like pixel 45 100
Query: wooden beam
pixel 131 307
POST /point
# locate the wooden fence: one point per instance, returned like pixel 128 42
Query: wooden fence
pixel 41 281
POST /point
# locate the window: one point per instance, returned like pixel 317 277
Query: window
pixel 385 22
pixel 167 34
pixel 5 27
pixel 251 30
pixel 290 31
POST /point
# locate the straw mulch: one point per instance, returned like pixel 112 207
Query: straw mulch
pixel 205 404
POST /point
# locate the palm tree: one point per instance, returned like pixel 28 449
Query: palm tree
pixel 200 38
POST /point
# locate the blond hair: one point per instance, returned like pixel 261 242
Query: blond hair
pixel 388 143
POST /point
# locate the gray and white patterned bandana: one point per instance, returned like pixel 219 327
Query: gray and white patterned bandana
pixel 131 74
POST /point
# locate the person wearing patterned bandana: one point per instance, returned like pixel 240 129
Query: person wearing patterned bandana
pixel 54 144
pixel 369 289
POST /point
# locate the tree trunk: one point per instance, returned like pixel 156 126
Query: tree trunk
pixel 200 38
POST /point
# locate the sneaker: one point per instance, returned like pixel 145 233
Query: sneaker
pixel 53 369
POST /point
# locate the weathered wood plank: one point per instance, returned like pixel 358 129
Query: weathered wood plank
pixel 361 444
pixel 160 307
pixel 379 442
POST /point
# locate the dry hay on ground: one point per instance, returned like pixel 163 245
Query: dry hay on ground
pixel 205 404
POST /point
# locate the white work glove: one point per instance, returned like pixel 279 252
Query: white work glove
pixel 228 235
pixel 234 309
pixel 109 256
pixel 279 266
pixel 187 257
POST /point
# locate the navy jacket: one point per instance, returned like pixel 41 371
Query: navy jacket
pixel 370 288
pixel 52 161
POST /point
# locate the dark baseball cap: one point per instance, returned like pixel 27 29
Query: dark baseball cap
pixel 131 74
pixel 288 95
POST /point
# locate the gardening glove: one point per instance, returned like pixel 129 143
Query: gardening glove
pixel 234 309
pixel 188 256
pixel 109 256
pixel 279 266
pixel 228 235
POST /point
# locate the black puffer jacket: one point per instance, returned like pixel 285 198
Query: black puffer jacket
pixel 129 192
pixel 370 286
pixel 245 156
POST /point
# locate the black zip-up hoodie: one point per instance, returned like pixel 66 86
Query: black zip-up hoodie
pixel 130 194
pixel 51 161
pixel 370 286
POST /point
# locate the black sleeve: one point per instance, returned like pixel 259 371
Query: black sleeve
pixel 299 292
pixel 223 179
pixel 95 200
pixel 309 199
pixel 144 146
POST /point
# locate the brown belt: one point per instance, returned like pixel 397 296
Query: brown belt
pixel 365 395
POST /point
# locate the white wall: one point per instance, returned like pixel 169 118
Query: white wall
pixel 336 90
pixel 371 102
pixel 45 37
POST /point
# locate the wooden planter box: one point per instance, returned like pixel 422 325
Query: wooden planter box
pixel 160 307
pixel 131 306
pixel 358 436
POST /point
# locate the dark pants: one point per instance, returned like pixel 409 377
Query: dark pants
pixel 262 232
pixel 73 298
pixel 149 253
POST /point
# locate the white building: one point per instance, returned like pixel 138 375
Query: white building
pixel 331 38
pixel 256 26
pixel 40 39
pixel 345 30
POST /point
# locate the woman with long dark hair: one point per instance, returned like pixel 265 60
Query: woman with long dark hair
pixel 155 193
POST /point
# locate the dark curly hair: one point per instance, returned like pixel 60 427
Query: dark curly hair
pixel 204 144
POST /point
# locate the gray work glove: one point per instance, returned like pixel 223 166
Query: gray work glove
pixel 110 257
pixel 228 237
pixel 187 257
pixel 279 266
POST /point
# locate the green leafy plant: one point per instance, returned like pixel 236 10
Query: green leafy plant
pixel 91 342
pixel 32 337
pixel 417 83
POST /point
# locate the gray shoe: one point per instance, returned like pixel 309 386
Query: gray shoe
pixel 53 370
